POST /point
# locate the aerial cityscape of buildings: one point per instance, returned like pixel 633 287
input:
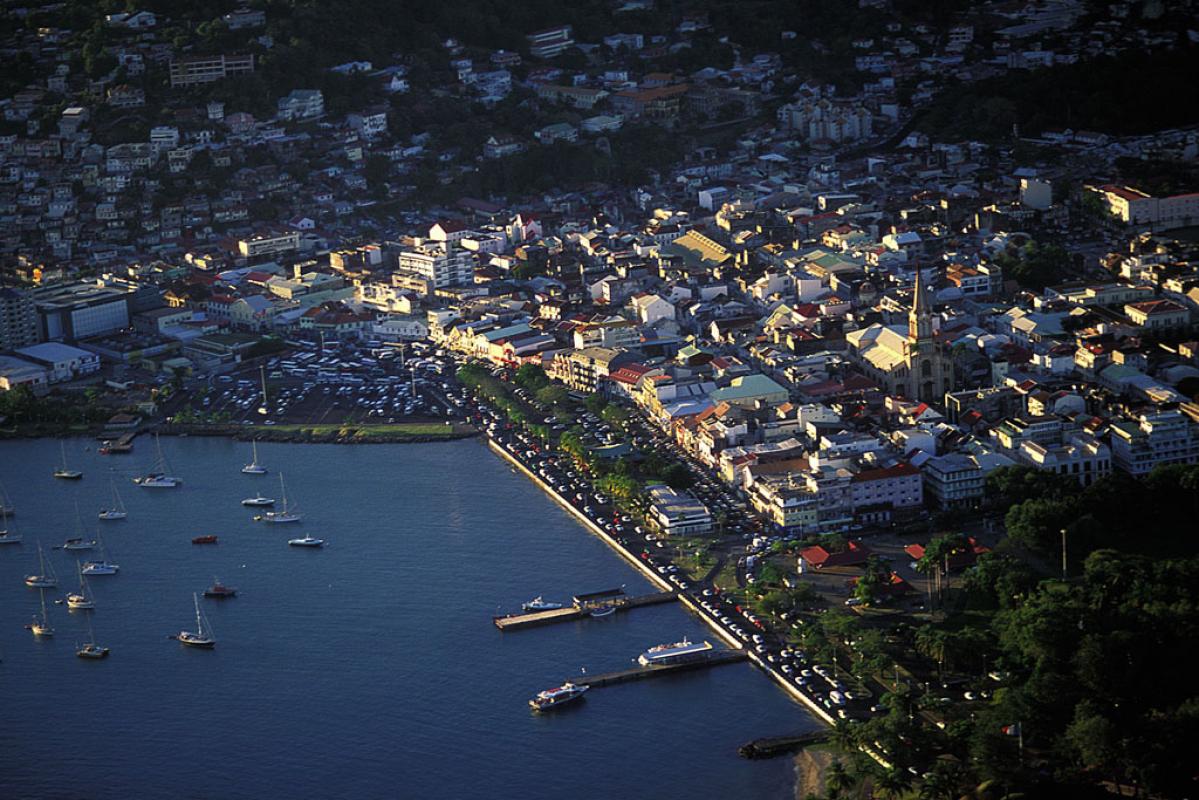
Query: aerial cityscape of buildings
pixel 847 320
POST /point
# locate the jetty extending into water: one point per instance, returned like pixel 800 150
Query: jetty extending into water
pixel 714 658
pixel 771 746
pixel 619 603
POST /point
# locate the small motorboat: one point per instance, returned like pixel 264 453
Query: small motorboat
pixel 219 591
pixel 93 651
pixel 603 611
pixel 78 543
pixel 306 541
pixel 204 540
pixel 258 501
pixel 539 603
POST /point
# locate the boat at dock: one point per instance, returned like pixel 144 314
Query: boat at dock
pixel 603 611
pixel 204 540
pixel 539 603
pixel 558 696
pixel 254 468
pixel 158 477
pixel 676 653
pixel 64 472
pixel 219 591
pixel 202 637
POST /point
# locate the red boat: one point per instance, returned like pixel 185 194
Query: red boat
pixel 220 590
pixel 204 540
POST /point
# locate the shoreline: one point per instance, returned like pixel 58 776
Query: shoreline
pixel 820 714
pixel 303 434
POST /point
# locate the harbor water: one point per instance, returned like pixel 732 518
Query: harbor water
pixel 369 668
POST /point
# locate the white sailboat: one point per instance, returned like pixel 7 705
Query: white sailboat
pixel 45 577
pixel 158 478
pixel 254 468
pixel 103 566
pixel 90 649
pixel 203 636
pixel 64 472
pixel 81 600
pixel 117 510
pixel 288 514
pixel 41 625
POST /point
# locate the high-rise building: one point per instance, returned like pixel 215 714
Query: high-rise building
pixel 18 319
pixel 440 263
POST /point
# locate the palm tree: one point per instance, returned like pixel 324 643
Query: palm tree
pixel 844 736
pixel 837 779
pixel 892 783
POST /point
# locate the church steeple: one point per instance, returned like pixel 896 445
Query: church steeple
pixel 920 318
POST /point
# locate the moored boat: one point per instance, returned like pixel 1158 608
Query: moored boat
pixel 539 603
pixel 254 468
pixel 306 541
pixel 158 477
pixel 219 590
pixel 64 472
pixel 258 501
pixel 558 696
pixel 676 653
pixel 204 540
pixel 45 577
pixel 202 637
pixel 288 514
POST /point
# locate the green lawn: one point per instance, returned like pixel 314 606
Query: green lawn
pixel 368 430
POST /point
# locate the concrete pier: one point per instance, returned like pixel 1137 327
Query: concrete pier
pixel 535 619
pixel 640 673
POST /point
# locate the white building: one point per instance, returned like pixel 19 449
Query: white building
pixel 678 514
pixel 61 362
pixel 1166 437
pixel 441 263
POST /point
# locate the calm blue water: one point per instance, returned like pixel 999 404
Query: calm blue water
pixel 368 669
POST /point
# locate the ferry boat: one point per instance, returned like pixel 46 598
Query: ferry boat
pixel 677 653
pixel 219 590
pixel 558 696
pixel 539 603
pixel 204 540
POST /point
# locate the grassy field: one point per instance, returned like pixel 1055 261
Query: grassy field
pixel 369 430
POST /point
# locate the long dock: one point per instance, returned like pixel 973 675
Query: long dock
pixel 537 618
pixel 639 673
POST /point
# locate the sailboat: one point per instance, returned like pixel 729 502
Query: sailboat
pixel 266 404
pixel 254 468
pixel 117 511
pixel 7 536
pixel 203 636
pixel 63 472
pixel 90 649
pixel 103 566
pixel 6 506
pixel 41 625
pixel 45 577
pixel 78 542
pixel 286 515
pixel 82 600
pixel 158 478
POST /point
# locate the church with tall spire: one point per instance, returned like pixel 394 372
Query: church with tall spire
pixel 909 363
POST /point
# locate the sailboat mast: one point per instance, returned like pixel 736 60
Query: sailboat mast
pixel 199 627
